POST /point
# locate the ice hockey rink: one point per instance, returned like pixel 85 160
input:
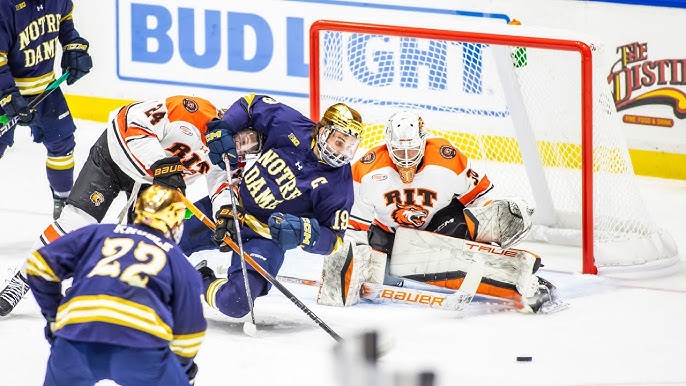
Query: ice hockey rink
pixel 617 331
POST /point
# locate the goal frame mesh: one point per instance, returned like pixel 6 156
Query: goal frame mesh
pixel 583 49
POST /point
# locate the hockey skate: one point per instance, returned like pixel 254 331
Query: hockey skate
pixel 57 206
pixel 12 294
pixel 205 272
pixel 544 299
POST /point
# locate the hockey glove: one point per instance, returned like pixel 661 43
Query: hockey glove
pixel 291 231
pixel 168 172
pixel 191 372
pixel 75 59
pixel 220 141
pixel 49 334
pixel 226 225
pixel 15 105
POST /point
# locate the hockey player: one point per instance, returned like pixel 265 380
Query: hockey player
pixel 133 313
pixel 298 192
pixel 153 142
pixel 417 184
pixel 31 31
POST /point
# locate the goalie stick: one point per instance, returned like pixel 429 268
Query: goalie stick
pixel 248 259
pixel 448 300
pixel 380 293
pixel 10 123
pixel 429 296
pixel 456 301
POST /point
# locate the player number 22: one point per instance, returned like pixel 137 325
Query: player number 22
pixel 153 261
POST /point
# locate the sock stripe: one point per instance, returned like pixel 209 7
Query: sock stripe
pixel 60 163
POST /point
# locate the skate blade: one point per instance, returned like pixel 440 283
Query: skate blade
pixel 553 306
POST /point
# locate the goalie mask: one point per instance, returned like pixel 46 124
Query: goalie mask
pixel 405 140
pixel 338 135
pixel 161 208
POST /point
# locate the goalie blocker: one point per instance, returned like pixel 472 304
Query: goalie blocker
pixel 438 260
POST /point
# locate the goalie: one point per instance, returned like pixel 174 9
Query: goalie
pixel 420 213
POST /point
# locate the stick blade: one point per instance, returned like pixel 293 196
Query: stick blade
pixel 250 329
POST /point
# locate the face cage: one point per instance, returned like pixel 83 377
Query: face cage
pixel 406 166
pixel 255 147
pixel 328 154
pixel 176 232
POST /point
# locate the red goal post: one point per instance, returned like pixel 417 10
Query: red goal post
pixel 527 105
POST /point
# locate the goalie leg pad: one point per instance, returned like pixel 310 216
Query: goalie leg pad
pixel 343 274
pixel 504 222
pixel 443 261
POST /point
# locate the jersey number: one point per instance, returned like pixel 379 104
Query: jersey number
pixel 340 221
pixel 154 115
pixel 152 257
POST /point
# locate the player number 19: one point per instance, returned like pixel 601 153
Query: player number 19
pixel 340 221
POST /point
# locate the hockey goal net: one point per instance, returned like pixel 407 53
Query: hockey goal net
pixel 530 107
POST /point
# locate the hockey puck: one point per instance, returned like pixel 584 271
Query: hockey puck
pixel 524 359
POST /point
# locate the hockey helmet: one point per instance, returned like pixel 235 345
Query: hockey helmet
pixel 405 140
pixel 161 208
pixel 339 135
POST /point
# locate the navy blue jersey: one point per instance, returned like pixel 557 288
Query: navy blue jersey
pixel 287 177
pixel 30 33
pixel 131 287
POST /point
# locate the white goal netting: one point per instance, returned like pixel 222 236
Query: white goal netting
pixel 521 104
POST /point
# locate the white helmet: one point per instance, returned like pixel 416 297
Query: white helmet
pixel 405 140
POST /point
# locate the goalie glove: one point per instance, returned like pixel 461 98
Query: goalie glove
pixel 504 222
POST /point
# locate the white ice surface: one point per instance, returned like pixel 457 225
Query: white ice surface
pixel 616 331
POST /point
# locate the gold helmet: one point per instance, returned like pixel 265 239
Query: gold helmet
pixel 339 149
pixel 161 208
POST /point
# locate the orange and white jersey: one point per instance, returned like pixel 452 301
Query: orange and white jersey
pixel 382 198
pixel 143 132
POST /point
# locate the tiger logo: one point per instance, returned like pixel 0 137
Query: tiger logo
pixel 409 215
pixel 97 198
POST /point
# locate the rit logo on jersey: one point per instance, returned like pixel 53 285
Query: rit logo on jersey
pixel 410 205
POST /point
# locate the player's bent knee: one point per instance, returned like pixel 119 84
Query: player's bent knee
pixel 231 298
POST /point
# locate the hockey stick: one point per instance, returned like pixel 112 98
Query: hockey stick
pixel 131 200
pixel 10 123
pixel 201 216
pixel 456 301
pixel 248 328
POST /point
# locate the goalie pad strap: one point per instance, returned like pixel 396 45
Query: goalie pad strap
pixel 380 240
